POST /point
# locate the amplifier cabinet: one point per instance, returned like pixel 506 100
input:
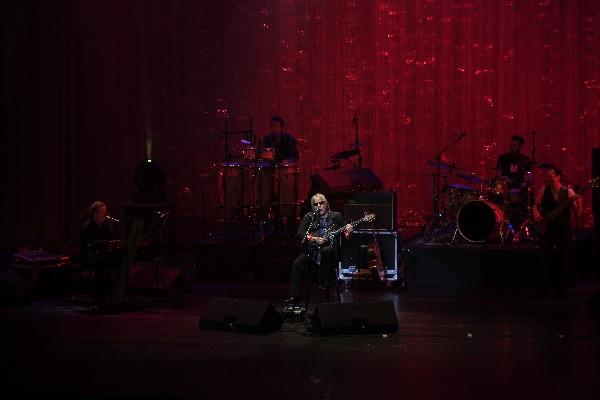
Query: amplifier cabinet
pixel 354 253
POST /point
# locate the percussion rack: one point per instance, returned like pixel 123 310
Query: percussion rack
pixel 250 136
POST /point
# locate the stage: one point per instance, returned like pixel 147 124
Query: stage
pixel 490 345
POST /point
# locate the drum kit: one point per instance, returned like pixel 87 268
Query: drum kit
pixel 482 210
pixel 478 209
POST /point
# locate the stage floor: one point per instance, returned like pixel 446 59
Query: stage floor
pixel 501 345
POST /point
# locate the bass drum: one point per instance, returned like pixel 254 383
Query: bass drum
pixel 477 220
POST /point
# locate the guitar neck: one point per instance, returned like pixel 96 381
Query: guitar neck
pixel 341 229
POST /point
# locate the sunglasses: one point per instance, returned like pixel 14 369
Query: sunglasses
pixel 318 203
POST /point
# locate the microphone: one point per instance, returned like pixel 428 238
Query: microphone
pixel 315 212
pixel 161 214
pixel 112 219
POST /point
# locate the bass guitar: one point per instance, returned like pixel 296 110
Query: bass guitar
pixel 544 224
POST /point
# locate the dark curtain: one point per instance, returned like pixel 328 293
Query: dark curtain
pixel 38 135
pixel 90 87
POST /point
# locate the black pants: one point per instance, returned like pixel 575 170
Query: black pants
pixel 303 266
pixel 557 258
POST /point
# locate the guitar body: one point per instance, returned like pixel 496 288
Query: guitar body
pixel 376 263
pixel 313 250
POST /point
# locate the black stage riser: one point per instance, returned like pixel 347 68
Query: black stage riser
pixel 472 267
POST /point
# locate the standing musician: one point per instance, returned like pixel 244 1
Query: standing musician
pixel 99 238
pixel 284 144
pixel 313 226
pixel 556 238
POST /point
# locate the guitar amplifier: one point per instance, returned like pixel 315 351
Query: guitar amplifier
pixel 382 204
pixel 354 253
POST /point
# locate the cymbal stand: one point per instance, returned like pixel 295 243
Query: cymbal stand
pixel 527 229
pixel 438 228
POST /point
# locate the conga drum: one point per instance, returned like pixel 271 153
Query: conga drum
pixel 286 188
pixel 258 184
pixel 230 184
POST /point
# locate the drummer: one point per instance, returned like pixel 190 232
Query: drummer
pixel 514 165
pixel 284 144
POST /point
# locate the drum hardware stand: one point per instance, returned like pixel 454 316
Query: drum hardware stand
pixel 356 141
pixel 250 136
pixel 527 227
pixel 437 224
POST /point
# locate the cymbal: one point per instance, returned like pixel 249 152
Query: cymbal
pixel 459 186
pixel 443 165
pixel 472 178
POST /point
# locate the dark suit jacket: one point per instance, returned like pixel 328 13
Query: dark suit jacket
pixel 334 220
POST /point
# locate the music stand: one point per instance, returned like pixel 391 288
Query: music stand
pixel 158 277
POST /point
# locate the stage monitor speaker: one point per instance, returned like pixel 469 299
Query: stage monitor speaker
pixel 346 180
pixel 354 318
pixel 382 204
pixel 596 191
pixel 241 315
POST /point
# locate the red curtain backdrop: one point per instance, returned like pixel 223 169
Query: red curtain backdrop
pixel 133 74
pixel 417 73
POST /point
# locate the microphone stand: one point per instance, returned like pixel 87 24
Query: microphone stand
pixel 437 224
pixel 356 140
pixel 158 277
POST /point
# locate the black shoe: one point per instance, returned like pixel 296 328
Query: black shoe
pixel 294 301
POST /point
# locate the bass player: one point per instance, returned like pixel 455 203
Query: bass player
pixel 556 209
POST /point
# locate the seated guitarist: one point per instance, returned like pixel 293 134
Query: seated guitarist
pixel 318 252
pixel 556 237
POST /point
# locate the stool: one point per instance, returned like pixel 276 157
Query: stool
pixel 333 277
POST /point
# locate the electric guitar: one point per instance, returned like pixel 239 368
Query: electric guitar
pixel 544 224
pixel 313 250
